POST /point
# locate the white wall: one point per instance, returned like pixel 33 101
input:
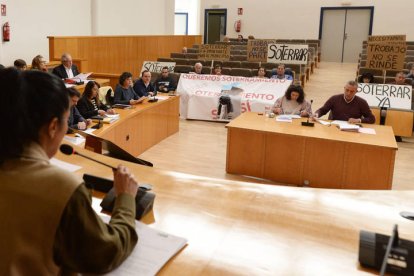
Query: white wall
pixel 134 17
pixel 192 7
pixel 300 18
pixel 32 21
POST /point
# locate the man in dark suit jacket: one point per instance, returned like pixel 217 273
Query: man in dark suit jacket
pixel 143 86
pixel 67 69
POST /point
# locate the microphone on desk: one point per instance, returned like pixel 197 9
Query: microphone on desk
pixel 69 150
pixel 307 123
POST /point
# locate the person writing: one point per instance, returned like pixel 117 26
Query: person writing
pixel 124 93
pixel 75 120
pixel 89 104
pixel 293 103
pixel 49 226
pixel 347 107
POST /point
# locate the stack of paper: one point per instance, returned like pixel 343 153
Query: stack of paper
pixel 152 252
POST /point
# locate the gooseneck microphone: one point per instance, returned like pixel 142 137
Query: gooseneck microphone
pixel 307 123
pixel 68 150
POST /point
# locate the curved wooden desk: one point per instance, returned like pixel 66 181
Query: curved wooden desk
pixel 143 126
pixel 238 228
pixel 321 156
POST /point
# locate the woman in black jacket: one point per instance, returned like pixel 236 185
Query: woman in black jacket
pixel 89 104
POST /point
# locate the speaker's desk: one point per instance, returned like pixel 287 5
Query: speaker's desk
pixel 144 125
pixel 320 156
pixel 240 228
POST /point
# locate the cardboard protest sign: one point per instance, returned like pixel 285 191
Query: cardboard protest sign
pixel 257 49
pixel 386 52
pixel 386 95
pixel 156 66
pixel 288 53
pixel 214 52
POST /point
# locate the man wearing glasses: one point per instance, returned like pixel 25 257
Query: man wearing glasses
pixel 67 69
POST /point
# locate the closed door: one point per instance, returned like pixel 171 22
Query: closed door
pixel 342 32
pixel 214 25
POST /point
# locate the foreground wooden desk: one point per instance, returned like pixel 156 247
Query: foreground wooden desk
pixel 320 156
pixel 143 126
pixel 237 228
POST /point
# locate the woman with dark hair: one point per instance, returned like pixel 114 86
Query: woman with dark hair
pixel 89 104
pixel 39 63
pixel 124 93
pixel 49 226
pixel 293 103
pixel 217 70
pixel 261 73
pixel 366 77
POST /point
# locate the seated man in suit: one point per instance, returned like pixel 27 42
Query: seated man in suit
pixel 347 107
pixel 76 121
pixel 165 83
pixel 67 69
pixel 143 86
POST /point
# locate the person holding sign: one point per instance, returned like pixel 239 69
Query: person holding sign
pixel 347 107
pixel 410 75
pixel 198 67
pixel 279 73
pixel 293 103
pixel 217 70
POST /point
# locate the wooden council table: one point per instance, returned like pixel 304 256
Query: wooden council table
pixel 143 126
pixel 319 156
pixel 240 228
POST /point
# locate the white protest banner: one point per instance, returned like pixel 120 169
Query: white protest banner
pixel 386 95
pixel 288 53
pixel 202 96
pixel 156 66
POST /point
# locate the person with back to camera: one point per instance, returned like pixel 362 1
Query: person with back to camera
pixel 49 226
pixel 20 64
pixel 39 63
pixel 124 93
pixel 347 107
pixel 366 77
pixel 89 104
pixel 143 87
pixel 293 103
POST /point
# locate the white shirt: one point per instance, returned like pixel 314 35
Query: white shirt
pixel 69 72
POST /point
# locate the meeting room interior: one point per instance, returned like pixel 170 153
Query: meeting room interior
pixel 247 183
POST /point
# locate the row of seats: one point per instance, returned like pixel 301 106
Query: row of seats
pixel 183 65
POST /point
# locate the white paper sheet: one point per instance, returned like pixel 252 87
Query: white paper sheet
pixel 325 123
pixel 367 130
pixel 64 165
pixel 152 252
pixel 77 140
pixel 284 118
